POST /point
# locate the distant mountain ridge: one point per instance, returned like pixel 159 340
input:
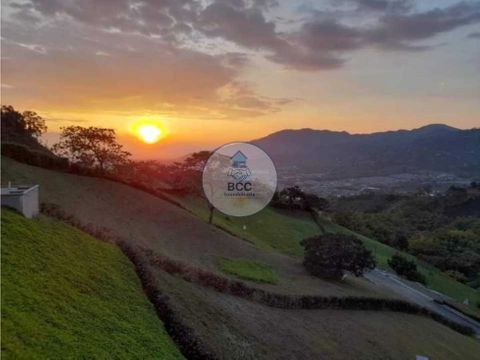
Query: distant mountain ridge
pixel 435 147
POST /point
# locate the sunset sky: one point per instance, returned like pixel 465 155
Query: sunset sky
pixel 216 71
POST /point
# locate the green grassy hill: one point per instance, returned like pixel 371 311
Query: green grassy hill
pixel 67 295
pixel 282 231
pixel 232 327
pixel 146 220
pixel 270 229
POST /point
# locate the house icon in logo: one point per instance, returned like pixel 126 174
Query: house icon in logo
pixel 239 160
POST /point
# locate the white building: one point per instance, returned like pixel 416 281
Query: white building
pixel 24 199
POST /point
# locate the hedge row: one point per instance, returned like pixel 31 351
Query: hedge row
pixel 190 345
pixel 143 257
pixel 306 302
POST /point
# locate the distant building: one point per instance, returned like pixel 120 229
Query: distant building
pixel 24 199
pixel 239 160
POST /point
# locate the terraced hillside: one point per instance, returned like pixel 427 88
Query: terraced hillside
pixel 232 327
pixel 68 295
pixel 146 220
pixel 280 231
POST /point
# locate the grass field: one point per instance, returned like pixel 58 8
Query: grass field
pixel 281 231
pixel 270 229
pixel 67 295
pixel 248 270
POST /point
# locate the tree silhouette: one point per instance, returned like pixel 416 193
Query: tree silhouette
pixel 92 147
pixel 27 125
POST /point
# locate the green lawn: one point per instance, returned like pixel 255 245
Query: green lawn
pixel 67 295
pixel 248 270
pixel 269 229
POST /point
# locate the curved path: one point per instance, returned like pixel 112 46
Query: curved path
pixel 422 297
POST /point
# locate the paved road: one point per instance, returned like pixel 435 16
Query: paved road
pixel 422 297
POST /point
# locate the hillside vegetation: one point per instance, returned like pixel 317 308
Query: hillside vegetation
pixel 142 219
pixel 232 327
pixel 271 225
pixel 65 294
pixel 239 329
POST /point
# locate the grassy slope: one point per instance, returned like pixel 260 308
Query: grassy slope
pixel 248 270
pixel 240 329
pixel 272 229
pixel 269 229
pixel 65 294
pixel 233 326
pixel 144 219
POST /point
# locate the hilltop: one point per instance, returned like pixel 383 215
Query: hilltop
pixel 434 148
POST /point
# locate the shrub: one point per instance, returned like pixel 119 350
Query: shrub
pixel 406 268
pixel 330 255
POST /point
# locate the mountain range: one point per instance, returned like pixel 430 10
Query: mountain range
pixel 432 148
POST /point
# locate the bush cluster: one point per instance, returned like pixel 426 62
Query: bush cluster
pixel 406 268
pixel 240 289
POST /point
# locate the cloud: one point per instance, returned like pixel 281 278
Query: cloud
pixel 384 5
pixel 85 66
pixel 324 39
pixel 401 31
pixel 322 44
pixel 33 47
pixel 474 35
pixel 241 25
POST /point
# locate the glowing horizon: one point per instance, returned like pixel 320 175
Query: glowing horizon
pixel 208 81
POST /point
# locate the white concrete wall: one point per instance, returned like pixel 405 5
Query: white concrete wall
pixel 26 203
pixel 30 206
pixel 13 201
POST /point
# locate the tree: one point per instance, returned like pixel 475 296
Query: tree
pixel 294 198
pixel 16 126
pixel 406 268
pixel 92 147
pixel 331 255
pixel 35 125
pixel 189 176
pixel 188 173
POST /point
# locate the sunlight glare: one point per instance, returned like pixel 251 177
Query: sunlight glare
pixel 149 133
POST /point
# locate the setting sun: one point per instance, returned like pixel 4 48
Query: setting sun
pixel 148 132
